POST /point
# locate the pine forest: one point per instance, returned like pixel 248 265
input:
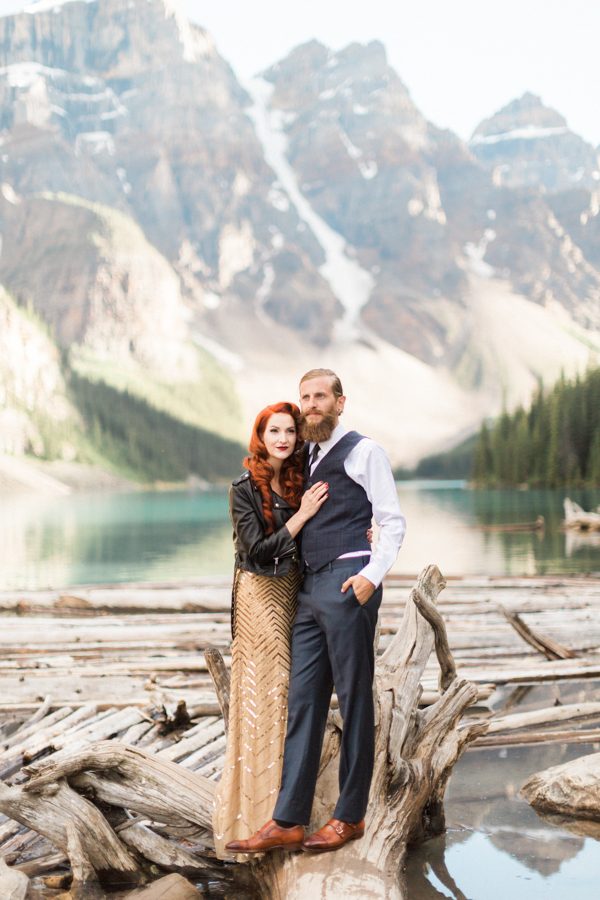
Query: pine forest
pixel 555 443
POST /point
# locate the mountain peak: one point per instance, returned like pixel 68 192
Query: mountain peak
pixel 308 56
pixel 529 144
pixel 373 53
pixel 526 112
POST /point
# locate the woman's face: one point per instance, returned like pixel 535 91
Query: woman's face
pixel 280 436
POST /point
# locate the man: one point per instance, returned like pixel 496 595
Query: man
pixel 333 634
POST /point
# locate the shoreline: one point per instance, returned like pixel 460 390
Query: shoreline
pixel 26 475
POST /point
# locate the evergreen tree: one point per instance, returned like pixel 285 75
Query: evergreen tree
pixel 593 467
pixel 482 459
pixel 148 443
pixel 555 443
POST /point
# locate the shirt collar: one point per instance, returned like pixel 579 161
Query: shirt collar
pixel 337 434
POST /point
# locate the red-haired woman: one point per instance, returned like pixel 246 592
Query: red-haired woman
pixel 268 510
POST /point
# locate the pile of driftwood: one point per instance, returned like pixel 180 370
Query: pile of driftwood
pixel 130 742
pixel 111 807
pixel 127 645
pixel 99 795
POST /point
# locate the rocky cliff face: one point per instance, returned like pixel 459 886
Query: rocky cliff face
pixel 131 106
pixel 32 387
pixel 98 283
pixel 363 155
pixel 421 210
pixel 170 223
pixel 552 245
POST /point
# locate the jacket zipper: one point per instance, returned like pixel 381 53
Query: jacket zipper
pixel 283 556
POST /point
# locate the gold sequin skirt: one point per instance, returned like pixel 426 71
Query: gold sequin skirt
pixel 265 608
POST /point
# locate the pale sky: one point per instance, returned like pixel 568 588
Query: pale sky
pixel 461 60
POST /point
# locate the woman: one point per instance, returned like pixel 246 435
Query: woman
pixel 268 511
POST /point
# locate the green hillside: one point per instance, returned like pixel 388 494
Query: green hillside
pixel 146 443
pixel 210 404
pixel 64 400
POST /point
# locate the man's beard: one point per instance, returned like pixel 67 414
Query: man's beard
pixel 318 431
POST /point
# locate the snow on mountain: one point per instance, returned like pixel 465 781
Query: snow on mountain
pixel 349 282
pixel 38 6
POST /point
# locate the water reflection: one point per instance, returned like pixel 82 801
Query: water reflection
pixel 582 543
pixel 496 846
pixel 100 538
pixel 446 522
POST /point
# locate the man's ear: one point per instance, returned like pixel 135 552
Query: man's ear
pixel 340 405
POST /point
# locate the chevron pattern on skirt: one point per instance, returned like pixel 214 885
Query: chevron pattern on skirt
pixel 265 608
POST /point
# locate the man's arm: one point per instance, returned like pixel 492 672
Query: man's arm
pixel 368 465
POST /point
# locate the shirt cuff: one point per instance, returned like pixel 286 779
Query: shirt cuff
pixel 373 572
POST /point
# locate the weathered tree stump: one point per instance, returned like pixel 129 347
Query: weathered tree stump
pixel 147 804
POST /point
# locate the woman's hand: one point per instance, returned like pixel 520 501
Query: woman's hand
pixel 370 535
pixel 313 499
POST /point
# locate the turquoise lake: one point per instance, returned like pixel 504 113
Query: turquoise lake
pixel 165 536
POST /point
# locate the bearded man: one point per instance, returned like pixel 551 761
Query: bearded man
pixel 334 630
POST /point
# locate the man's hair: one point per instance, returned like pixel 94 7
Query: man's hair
pixel 336 384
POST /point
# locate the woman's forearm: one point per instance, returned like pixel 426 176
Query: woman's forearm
pixel 296 523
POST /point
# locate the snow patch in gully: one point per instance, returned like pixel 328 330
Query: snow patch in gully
pixel 349 282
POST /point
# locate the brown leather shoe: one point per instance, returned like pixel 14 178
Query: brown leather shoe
pixel 333 835
pixel 270 837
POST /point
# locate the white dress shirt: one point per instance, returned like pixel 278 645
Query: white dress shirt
pixel 368 465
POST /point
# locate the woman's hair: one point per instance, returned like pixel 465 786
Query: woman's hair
pixel 261 470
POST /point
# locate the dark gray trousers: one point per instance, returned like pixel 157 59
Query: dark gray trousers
pixel 332 643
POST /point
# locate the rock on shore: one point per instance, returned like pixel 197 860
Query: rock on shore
pixel 571 789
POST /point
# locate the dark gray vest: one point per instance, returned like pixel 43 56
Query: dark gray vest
pixel 341 524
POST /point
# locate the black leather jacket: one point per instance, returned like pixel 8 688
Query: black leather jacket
pixel 256 551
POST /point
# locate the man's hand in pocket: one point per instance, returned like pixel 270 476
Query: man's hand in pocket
pixel 363 588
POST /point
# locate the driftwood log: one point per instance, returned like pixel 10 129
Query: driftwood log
pixel 576 517
pixel 14 885
pixel 118 812
pixel 541 642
